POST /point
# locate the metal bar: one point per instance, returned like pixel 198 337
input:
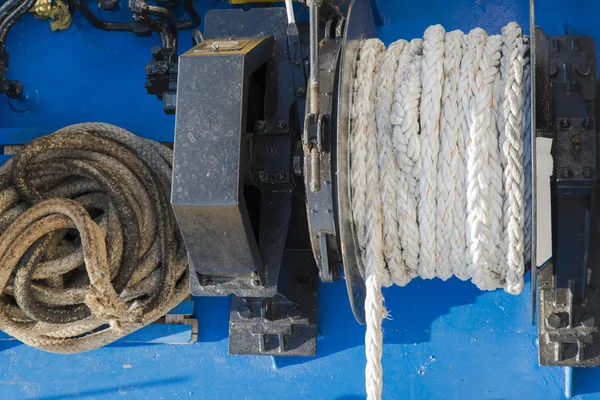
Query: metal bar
pixel 314 56
pixel 532 116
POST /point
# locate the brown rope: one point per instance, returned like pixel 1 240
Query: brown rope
pixel 89 247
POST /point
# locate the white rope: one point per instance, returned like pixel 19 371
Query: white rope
pixel 440 166
pixel 366 207
pixel 527 146
pixel 451 254
pixel 432 76
pixel 514 173
pixel 388 168
pixel 407 149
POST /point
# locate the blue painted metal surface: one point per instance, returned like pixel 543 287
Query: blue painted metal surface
pixel 444 340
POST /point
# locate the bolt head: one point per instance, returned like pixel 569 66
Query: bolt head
pixel 282 125
pixel 260 126
pixel 588 321
pixel 565 123
pixel 293 312
pixel 244 311
pixel 588 172
pixel 554 321
pixel 565 173
pixel 262 176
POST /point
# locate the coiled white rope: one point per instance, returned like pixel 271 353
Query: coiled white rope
pixel 440 166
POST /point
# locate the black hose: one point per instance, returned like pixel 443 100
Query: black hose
pixel 166 39
pixel 7 8
pixel 82 7
pixel 12 18
pixel 194 20
pixel 142 11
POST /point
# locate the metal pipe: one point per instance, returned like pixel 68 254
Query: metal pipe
pixel 289 8
pixel 314 6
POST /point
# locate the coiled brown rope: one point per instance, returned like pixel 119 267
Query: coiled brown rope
pixel 89 247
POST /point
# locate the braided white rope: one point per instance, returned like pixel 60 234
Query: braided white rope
pixel 450 252
pixel 432 76
pixel 407 149
pixel 514 174
pixel 438 165
pixel 526 125
pixel 367 207
pixel 388 167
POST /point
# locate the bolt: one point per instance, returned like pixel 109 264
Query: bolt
pixel 586 123
pixel 588 321
pixel 293 312
pixel 565 173
pixel 300 90
pixel 554 321
pixel 279 176
pixel 255 283
pixel 583 70
pixel 155 50
pixel 244 311
pixel 574 44
pixel 282 125
pixel 565 123
pixel 260 126
pixel 588 172
pixel 262 176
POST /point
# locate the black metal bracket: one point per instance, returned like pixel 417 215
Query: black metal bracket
pixel 568 298
pixel 236 193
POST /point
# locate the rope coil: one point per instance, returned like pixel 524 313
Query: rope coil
pixel 89 247
pixel 439 134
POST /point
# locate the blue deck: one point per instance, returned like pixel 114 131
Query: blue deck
pixel 445 340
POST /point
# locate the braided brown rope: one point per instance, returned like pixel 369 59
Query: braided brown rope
pixel 89 247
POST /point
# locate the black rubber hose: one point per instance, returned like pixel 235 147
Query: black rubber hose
pixel 194 20
pixel 7 8
pixel 141 11
pixel 12 18
pixel 82 7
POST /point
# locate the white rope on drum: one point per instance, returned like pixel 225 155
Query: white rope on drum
pixel 407 150
pixel 364 164
pixel 440 166
pixel 432 76
pixel 388 168
pixel 448 241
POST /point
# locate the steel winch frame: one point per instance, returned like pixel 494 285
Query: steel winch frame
pixel 260 185
pixel 272 214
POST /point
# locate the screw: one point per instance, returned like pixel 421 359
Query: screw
pixel 565 173
pixel 588 172
pixel 586 123
pixel 262 176
pixel 244 311
pixel 588 321
pixel 565 123
pixel 574 44
pixel 293 312
pixel 554 321
pixel 279 176
pixel 260 126
pixel 282 125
